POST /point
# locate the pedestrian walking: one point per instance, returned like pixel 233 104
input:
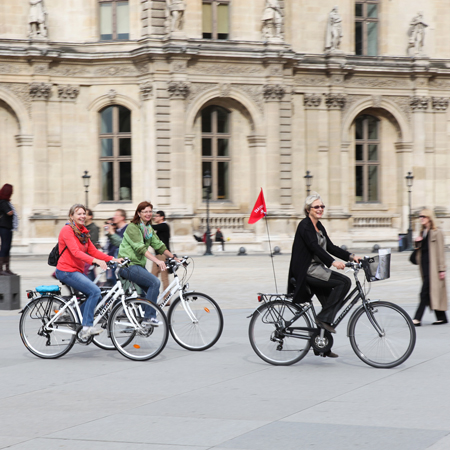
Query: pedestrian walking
pixel 9 222
pixel 162 229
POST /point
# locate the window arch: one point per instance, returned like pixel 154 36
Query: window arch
pixel 216 137
pixel 115 153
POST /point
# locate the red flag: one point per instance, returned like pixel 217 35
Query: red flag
pixel 259 210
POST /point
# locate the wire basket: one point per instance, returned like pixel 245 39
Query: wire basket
pixel 378 267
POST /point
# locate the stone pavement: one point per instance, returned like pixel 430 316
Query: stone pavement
pixel 226 397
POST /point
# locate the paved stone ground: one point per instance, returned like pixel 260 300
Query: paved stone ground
pixel 226 397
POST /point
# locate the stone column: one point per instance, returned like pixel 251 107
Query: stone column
pixel 178 91
pixel 404 165
pixel 273 94
pixel 148 154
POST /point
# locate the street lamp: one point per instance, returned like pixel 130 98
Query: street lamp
pixel 207 186
pixel 308 179
pixel 409 182
pixel 86 179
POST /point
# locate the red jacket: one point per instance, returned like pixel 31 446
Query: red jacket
pixel 76 253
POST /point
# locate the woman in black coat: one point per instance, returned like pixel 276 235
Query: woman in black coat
pixel 310 266
pixel 8 223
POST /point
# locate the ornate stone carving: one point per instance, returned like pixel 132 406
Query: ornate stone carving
pixel 403 102
pixel 272 21
pixel 254 92
pixel 178 89
pixel 419 103
pixel 312 100
pixel 416 35
pixel 376 101
pixel 68 92
pixel 40 91
pixel 225 89
pixel 37 28
pixel 439 103
pixel 112 94
pixel 146 90
pixel 115 71
pixel 223 68
pixel 335 101
pixel 9 69
pixel 334 31
pixel 440 83
pixel 310 80
pixel 69 71
pixel 179 66
pixel 175 9
pixel 142 67
pixel 273 92
pixel 378 82
pixel 22 91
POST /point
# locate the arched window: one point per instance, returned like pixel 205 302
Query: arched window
pixel 367 159
pixel 216 149
pixel 115 153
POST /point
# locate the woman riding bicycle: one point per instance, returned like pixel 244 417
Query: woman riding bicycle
pixel 76 249
pixel 138 237
pixel 310 266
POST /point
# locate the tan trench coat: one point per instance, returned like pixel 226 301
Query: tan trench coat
pixel 438 289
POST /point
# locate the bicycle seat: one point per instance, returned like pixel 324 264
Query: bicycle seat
pixel 51 289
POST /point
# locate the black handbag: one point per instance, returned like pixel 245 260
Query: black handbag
pixel 413 257
pixel 54 255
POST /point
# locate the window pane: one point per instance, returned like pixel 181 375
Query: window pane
pixel 124 120
pixel 125 181
pixel 373 184
pixel 106 120
pixel 107 147
pixel 359 153
pixel 206 147
pixel 125 147
pixel 222 182
pixel 358 183
pixel 373 152
pixel 207 19
pixel 359 128
pixel 372 38
pixel 107 181
pixel 106 21
pixel 222 147
pixel 123 21
pixel 372 11
pixel 222 22
pixel 358 10
pixel 372 128
pixel 222 120
pixel 206 121
pixel 358 38
pixel 206 166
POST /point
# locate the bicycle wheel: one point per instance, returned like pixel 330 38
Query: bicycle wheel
pixel 47 344
pixel 103 340
pixel 269 338
pixel 133 341
pixel 391 344
pixel 203 329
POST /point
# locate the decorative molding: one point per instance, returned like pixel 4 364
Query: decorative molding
pixel 439 103
pixel 146 90
pixel 40 91
pixel 225 89
pixel 254 92
pixel 24 140
pixel 312 100
pixel 142 67
pixel 373 82
pixel 112 94
pixel 68 92
pixel 419 103
pixel 225 69
pixel 22 91
pixel 335 101
pixel 69 71
pixel 178 89
pixel 9 69
pixel 273 92
pixel 310 80
pixel 118 70
pixel 178 66
pixel 403 102
pixel 376 100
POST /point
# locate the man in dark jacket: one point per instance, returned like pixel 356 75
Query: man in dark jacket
pixel 163 231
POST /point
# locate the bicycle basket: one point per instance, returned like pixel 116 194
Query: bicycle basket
pixel 377 267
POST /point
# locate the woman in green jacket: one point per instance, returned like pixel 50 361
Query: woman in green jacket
pixel 138 237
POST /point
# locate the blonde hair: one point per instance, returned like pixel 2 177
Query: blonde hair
pixel 430 214
pixel 74 208
pixel 309 201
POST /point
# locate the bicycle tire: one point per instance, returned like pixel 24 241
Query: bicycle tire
pixel 395 345
pixel 49 344
pixel 199 335
pixel 133 341
pixel 269 341
pixel 103 340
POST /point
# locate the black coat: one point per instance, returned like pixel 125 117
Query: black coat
pixel 304 247
pixel 6 221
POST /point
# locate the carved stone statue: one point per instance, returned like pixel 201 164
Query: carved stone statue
pixel 36 20
pixel 416 34
pixel 272 20
pixel 334 31
pixel 175 10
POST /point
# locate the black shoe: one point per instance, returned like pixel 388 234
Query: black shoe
pixel 330 354
pixel 325 326
pixel 416 323
pixel 440 322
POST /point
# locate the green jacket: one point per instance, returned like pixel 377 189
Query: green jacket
pixel 134 246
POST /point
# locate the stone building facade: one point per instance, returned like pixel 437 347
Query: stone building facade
pixel 148 94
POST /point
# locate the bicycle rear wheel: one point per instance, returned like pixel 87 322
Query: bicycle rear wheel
pixel 201 331
pixel 130 338
pixel 103 340
pixel 391 344
pixel 47 344
pixel 269 338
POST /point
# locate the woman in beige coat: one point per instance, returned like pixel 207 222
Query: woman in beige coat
pixel 431 259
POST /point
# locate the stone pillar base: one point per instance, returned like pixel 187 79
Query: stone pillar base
pixel 9 292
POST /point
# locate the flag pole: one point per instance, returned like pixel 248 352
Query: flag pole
pixel 271 254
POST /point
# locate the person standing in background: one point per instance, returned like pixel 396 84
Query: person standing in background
pixel 9 222
pixel 163 231
pixel 219 238
pixel 115 229
pixel 94 233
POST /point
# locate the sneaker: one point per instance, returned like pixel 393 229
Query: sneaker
pixel 153 322
pixel 90 331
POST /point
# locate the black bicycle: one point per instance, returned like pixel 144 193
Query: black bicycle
pixel 381 333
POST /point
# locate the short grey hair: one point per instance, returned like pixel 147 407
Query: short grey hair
pixel 310 200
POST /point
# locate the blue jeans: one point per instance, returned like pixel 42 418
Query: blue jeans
pixel 146 281
pixel 82 283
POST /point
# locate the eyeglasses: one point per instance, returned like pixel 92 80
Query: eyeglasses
pixel 318 207
pixel 423 217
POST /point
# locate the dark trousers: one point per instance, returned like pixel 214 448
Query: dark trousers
pixel 425 301
pixel 6 240
pixel 330 293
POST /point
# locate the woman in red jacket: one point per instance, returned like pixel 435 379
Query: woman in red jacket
pixel 76 249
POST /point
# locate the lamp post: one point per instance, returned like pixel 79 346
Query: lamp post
pixel 308 180
pixel 409 182
pixel 207 185
pixel 86 179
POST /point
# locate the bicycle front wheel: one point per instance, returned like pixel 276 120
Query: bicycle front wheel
pixel 196 323
pixel 134 341
pixel 382 337
pixel 269 337
pixel 47 343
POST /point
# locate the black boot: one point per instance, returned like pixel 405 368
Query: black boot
pixel 2 262
pixel 7 271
